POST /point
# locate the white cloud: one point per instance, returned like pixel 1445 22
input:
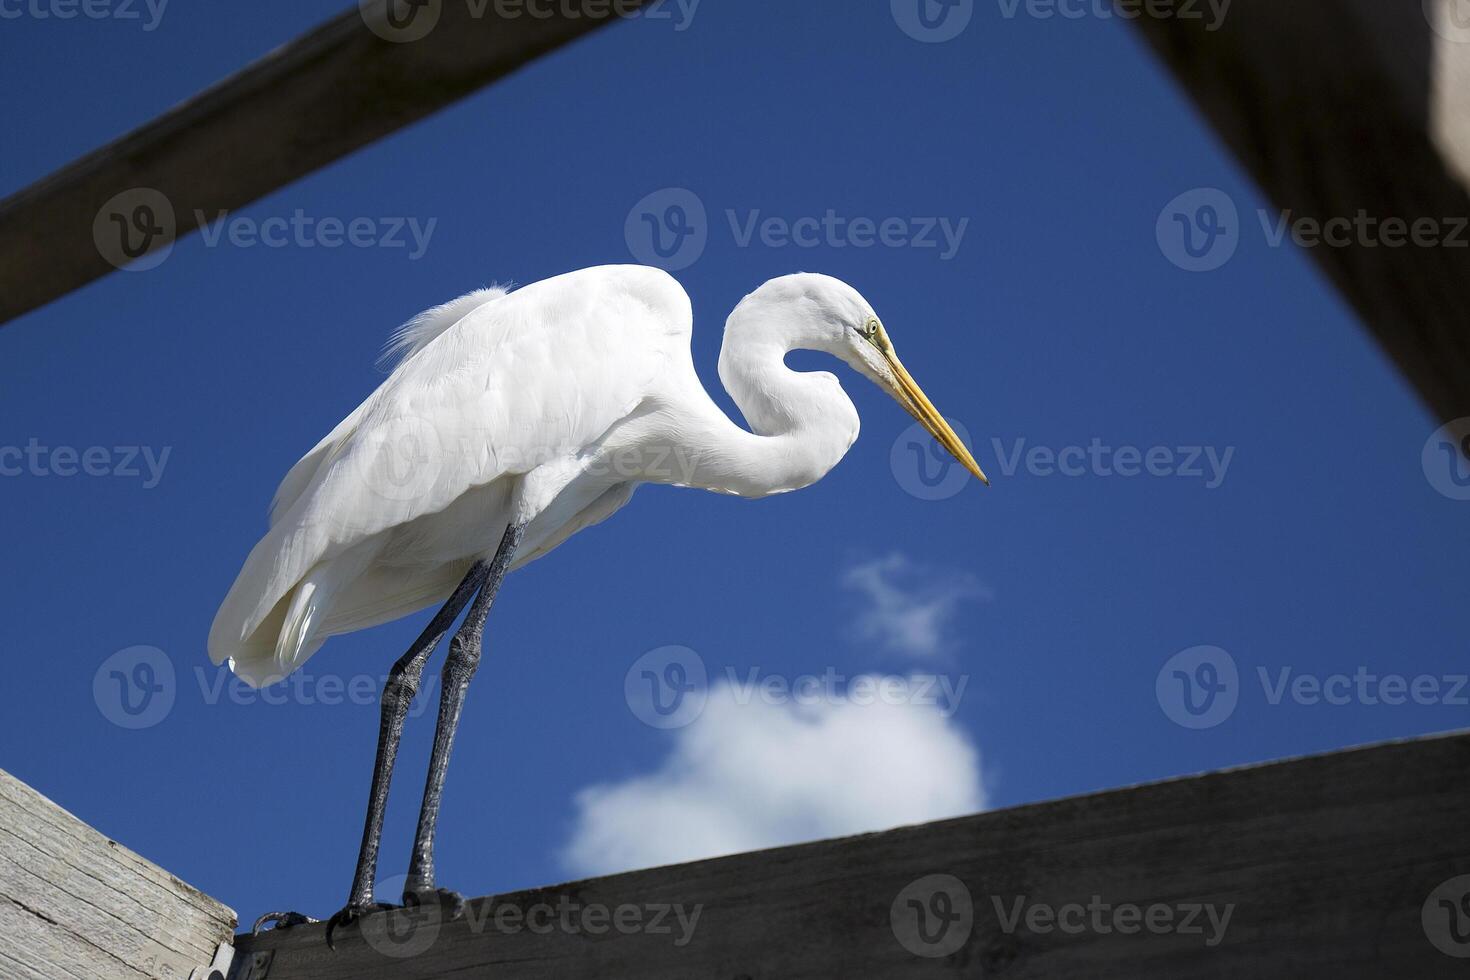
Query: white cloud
pixel 908 609
pixel 759 774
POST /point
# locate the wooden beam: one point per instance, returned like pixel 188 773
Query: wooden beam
pixel 74 904
pixel 1335 865
pixel 300 107
pixel 1342 107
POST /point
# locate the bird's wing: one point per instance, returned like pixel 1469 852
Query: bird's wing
pixel 406 341
pixel 532 377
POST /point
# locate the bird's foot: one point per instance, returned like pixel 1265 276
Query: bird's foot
pixel 282 920
pixel 450 904
pixel 351 914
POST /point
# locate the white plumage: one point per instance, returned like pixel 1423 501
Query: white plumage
pixel 547 405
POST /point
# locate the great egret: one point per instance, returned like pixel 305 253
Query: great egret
pixel 513 420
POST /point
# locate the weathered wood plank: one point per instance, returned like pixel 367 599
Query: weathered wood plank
pixel 300 107
pixel 75 904
pixel 1324 866
pixel 1338 107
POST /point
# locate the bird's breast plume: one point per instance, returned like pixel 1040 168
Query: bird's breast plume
pixel 419 332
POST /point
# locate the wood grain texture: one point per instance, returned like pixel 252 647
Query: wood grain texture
pixel 298 108
pixel 1337 107
pixel 74 904
pixel 1324 863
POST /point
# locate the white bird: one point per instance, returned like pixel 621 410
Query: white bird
pixel 511 421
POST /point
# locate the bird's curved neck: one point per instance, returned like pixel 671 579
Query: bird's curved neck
pixel 801 423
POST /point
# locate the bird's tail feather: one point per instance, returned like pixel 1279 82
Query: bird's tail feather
pixel 292 630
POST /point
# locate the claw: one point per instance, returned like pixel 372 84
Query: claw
pixel 350 915
pixel 450 903
pixel 282 920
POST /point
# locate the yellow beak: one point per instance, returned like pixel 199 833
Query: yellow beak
pixel 912 397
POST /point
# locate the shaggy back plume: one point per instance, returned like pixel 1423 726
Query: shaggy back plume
pixel 416 334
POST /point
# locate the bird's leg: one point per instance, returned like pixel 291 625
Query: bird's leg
pixel 398 695
pixel 459 667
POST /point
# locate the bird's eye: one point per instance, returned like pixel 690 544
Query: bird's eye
pixel 870 329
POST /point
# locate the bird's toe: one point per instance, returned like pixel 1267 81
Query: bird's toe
pixel 281 920
pixel 451 903
pixel 351 914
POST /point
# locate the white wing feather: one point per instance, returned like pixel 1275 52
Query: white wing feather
pixel 405 342
pixel 518 381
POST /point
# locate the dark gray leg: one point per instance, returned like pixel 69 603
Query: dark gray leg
pixel 398 695
pixel 459 667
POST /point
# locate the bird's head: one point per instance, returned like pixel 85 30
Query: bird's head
pixel 835 318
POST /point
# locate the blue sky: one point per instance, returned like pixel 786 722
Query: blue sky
pixel 1304 531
